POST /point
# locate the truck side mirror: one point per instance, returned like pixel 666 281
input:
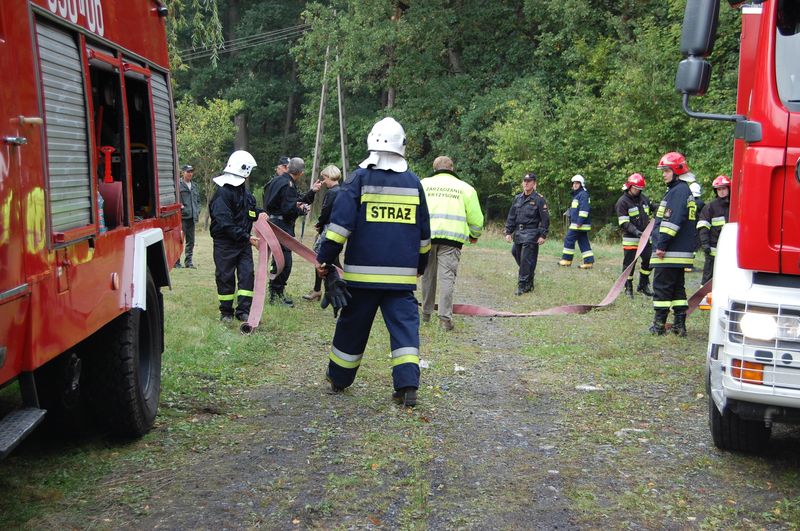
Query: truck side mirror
pixel 699 27
pixel 693 77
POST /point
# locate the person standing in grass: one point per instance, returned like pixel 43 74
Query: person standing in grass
pixel 382 215
pixel 713 217
pixel 456 218
pixel 233 210
pixel 527 224
pixel 633 215
pixel 580 223
pixel 330 180
pixel 190 213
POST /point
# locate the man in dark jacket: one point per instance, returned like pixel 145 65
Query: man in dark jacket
pixel 527 225
pixel 673 243
pixel 190 213
pixel 713 217
pixel 284 205
pixel 233 211
pixel 633 215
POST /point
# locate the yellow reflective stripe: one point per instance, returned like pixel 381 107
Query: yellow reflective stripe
pixel 667 230
pixel 660 211
pixel 410 358
pixel 633 211
pixel 245 293
pixel 252 213
pixel 682 261
pixel 574 203
pixel 587 254
pixel 343 363
pixel 645 272
pixel 583 214
pixel 333 236
pixel 574 226
pixel 381 279
pixel 623 219
pixel 390 198
pixel 568 251
pixel 703 224
pixel 718 222
pixel 425 249
pixel 226 297
pixel 681 302
pixel 662 304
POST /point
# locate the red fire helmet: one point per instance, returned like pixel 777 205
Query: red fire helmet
pixel 721 181
pixel 636 180
pixel 675 162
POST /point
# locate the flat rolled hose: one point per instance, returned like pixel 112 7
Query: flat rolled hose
pixel 268 246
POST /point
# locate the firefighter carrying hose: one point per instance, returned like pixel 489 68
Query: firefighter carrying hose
pixel 673 243
pixel 233 211
pixel 633 214
pixel 382 216
pixel 712 218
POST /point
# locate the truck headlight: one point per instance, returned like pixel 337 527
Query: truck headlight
pixel 760 326
pixel 768 327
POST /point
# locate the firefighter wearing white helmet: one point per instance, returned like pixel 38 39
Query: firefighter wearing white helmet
pixel 580 223
pixel 382 216
pixel 712 218
pixel 233 211
pixel 697 193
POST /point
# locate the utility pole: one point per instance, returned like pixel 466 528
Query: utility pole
pixel 315 206
pixel 342 121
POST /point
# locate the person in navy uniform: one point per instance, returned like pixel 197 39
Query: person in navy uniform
pixel 382 216
pixel 527 224
pixel 233 211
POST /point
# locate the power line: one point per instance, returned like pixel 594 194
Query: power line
pixel 243 43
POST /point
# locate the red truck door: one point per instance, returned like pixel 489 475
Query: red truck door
pixel 14 291
pixel 790 250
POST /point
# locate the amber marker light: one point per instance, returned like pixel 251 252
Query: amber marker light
pixel 747 372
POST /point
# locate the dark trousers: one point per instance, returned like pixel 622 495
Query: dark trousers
pixel 628 258
pixel 669 290
pixel 234 262
pixel 188 234
pixel 278 284
pixel 401 315
pixel 582 237
pixel 526 255
pixel 708 268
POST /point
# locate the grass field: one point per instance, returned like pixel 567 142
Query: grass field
pixel 575 421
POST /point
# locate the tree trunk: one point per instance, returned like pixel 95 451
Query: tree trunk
pixel 290 104
pixel 242 138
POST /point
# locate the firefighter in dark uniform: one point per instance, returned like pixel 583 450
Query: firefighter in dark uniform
pixel 673 243
pixel 284 205
pixel 697 193
pixel 580 223
pixel 527 225
pixel 382 216
pixel 633 215
pixel 233 211
pixel 713 217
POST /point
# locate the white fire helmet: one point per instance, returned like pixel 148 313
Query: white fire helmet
pixel 578 179
pixel 240 163
pixel 387 135
pixel 696 190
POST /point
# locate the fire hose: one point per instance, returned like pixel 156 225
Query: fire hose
pixel 470 309
pixel 268 245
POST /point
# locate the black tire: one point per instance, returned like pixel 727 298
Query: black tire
pixel 124 375
pixel 731 432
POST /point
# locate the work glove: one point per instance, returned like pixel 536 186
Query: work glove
pixel 707 250
pixel 336 293
pixel 638 233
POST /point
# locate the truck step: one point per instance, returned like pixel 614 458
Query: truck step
pixel 16 426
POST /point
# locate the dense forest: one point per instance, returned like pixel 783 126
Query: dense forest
pixel 557 87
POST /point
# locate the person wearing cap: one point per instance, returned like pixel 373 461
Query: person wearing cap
pixel 580 223
pixel 233 210
pixel 190 213
pixel 527 225
pixel 382 215
pixel 633 215
pixel 673 240
pixel 284 205
pixel 456 218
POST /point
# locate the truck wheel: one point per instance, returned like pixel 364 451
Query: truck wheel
pixel 731 432
pixel 124 377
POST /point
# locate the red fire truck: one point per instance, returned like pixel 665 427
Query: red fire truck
pixel 89 211
pixel 753 356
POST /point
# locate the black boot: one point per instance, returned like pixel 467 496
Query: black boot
pixel 520 288
pixel 629 288
pixel 529 286
pixel 679 326
pixel 644 286
pixel 659 326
